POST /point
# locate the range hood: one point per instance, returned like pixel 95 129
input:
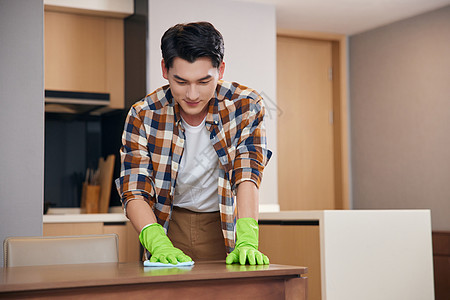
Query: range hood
pixel 75 102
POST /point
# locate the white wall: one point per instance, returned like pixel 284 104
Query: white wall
pixel 249 32
pixel 21 118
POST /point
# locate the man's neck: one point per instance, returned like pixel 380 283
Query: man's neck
pixel 194 120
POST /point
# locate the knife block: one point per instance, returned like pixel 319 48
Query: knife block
pixel 90 197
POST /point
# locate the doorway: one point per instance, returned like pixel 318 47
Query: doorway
pixel 311 131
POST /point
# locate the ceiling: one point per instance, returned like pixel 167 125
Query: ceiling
pixel 346 16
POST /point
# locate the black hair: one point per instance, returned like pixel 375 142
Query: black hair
pixel 191 41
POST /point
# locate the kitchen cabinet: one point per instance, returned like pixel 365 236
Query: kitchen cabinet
pixel 295 245
pixel 129 246
pixel 85 53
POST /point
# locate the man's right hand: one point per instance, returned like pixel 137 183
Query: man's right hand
pixel 155 240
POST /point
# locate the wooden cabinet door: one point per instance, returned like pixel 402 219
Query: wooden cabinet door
pixel 129 246
pixel 75 52
pixel 84 53
pixel 62 229
pixel 295 245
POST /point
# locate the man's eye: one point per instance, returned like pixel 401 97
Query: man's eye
pixel 181 82
pixel 204 82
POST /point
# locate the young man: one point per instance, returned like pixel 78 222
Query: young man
pixel 193 155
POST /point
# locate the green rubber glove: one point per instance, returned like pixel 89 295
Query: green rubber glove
pixel 155 240
pixel 246 248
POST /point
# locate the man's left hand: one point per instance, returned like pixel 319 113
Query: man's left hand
pixel 246 249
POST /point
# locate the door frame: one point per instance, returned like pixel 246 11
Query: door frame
pixel 340 109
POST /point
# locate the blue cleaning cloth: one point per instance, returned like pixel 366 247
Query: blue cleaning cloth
pixel 147 263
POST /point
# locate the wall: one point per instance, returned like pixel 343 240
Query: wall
pixel 249 32
pixel 400 116
pixel 21 118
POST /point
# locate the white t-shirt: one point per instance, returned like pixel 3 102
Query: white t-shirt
pixel 196 186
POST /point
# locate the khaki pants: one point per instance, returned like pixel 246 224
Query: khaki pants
pixel 199 235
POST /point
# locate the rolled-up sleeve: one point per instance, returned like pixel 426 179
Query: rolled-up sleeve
pixel 135 181
pixel 252 154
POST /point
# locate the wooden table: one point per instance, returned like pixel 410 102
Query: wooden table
pixel 205 280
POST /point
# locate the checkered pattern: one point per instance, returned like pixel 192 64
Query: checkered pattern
pixel 153 141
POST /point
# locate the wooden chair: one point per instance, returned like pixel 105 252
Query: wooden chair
pixel 56 250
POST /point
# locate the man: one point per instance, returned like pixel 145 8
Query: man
pixel 193 155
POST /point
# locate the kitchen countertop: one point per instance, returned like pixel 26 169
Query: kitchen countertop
pixel 74 215
pixel 292 215
pixel 85 218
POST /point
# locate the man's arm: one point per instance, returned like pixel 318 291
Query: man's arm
pixel 140 214
pixel 247 200
pixel 135 186
pixel 247 230
pixel 251 157
pixel 152 235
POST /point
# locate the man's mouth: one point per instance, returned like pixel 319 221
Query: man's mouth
pixel 193 103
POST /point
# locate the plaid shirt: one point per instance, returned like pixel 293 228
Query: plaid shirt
pixel 153 141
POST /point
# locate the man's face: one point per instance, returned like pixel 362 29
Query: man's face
pixel 192 86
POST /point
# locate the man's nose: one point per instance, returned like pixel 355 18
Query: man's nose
pixel 192 92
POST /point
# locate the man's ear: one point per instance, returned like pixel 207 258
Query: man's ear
pixel 164 69
pixel 221 70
